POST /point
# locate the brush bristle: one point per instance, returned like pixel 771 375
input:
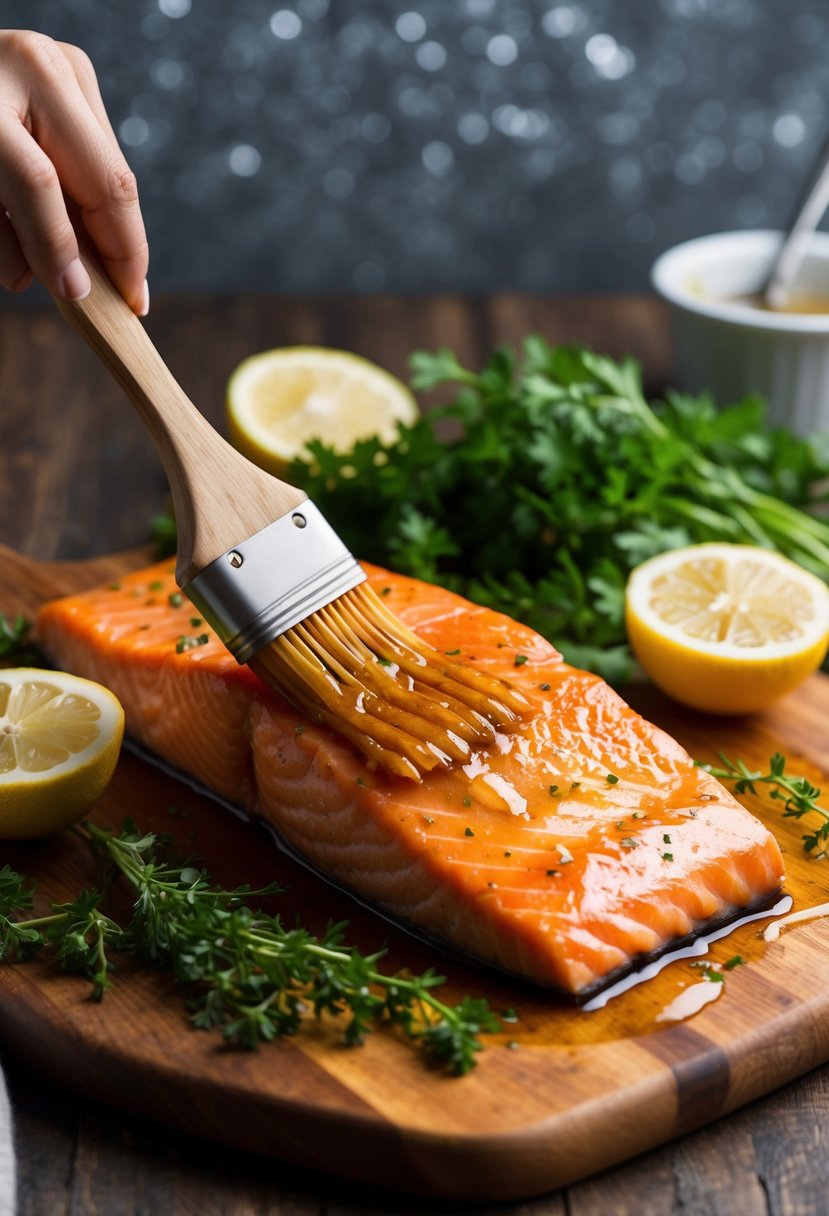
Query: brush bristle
pixel 356 667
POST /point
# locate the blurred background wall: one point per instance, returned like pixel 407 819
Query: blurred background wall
pixel 368 145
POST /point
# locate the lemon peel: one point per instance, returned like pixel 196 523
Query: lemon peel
pixel 727 629
pixel 60 737
pixel 280 399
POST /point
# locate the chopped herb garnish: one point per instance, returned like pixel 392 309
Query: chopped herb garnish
pixel 574 785
pixel 545 687
pixel 716 977
pixel 553 790
pixel 450 652
pixel 519 660
pixel 630 842
pixel 176 599
pixel 188 643
pixel 553 873
pixel 468 832
pixel 667 856
pixel 736 960
pixel 467 801
pixel 156 586
pixel 611 779
pixel 508 853
pixel 383 661
pixel 195 621
pixel 666 839
pixel 114 587
pixel 385 590
pixel 620 823
pixel 638 815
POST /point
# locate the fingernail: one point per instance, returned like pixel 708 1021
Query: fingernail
pixel 144 305
pixel 74 282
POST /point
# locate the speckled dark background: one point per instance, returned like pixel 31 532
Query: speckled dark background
pixel 318 145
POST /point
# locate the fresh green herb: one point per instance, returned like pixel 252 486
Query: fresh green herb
pixel 16 647
pixel 666 839
pixel 799 796
pixel 195 621
pixel 544 687
pixel 612 779
pixel 553 873
pixel 176 599
pixel 667 856
pixel 716 977
pixel 468 832
pixel 383 661
pixel 188 643
pixel 157 585
pixel 163 530
pixel 467 801
pixel 638 815
pixel 553 790
pixel 736 960
pixel 508 852
pixel 576 479
pixel 519 660
pixel 244 973
pixel 452 652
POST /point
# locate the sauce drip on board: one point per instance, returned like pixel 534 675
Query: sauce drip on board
pixel 675 988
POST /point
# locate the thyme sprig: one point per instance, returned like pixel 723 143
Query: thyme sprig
pixel 245 973
pixel 799 796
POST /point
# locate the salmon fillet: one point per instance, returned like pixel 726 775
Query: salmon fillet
pixel 564 853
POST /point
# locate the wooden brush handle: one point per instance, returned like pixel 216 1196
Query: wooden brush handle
pixel 219 497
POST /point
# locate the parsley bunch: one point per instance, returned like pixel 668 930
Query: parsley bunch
pixel 244 972
pixel 560 478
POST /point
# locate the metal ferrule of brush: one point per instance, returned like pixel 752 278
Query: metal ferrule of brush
pixel 273 580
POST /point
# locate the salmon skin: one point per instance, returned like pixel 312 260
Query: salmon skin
pixel 565 853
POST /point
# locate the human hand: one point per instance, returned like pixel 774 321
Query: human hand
pixel 55 137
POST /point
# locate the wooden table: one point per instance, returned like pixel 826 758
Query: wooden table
pixel 78 476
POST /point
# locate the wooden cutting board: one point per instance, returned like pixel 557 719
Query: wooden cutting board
pixel 561 1094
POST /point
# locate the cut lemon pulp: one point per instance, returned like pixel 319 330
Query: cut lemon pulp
pixel 279 400
pixel 59 741
pixel 726 628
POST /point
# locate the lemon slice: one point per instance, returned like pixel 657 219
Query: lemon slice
pixel 59 741
pixel 278 400
pixel 726 628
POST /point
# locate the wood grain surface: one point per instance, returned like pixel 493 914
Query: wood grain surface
pixel 66 448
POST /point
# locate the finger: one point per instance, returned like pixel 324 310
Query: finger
pixel 91 167
pixel 15 274
pixel 31 195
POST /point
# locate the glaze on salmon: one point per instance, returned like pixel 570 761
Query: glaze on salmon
pixel 583 840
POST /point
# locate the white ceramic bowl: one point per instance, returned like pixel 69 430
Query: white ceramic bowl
pixel 732 349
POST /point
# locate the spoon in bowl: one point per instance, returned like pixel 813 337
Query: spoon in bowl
pixel 808 213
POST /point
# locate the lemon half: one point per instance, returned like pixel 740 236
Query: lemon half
pixel 726 628
pixel 59 742
pixel 279 400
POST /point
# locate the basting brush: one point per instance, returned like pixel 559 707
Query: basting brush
pixel 281 589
